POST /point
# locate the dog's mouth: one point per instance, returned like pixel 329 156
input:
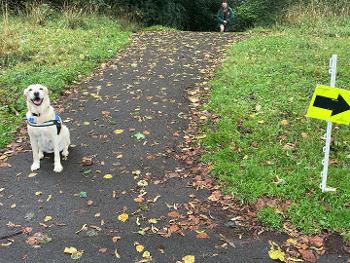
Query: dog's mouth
pixel 37 101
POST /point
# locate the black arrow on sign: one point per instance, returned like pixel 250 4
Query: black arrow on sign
pixel 337 106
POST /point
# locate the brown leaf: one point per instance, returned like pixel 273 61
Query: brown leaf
pixel 86 161
pixel 307 255
pixel 316 241
pixel 102 250
pixel 202 235
pixel 174 228
pixel 174 214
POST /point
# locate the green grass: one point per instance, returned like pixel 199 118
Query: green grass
pixel 263 145
pixel 271 218
pixel 54 53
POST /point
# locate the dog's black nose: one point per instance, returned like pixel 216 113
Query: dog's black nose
pixel 36 94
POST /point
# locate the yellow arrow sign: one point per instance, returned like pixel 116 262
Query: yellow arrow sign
pixel 331 104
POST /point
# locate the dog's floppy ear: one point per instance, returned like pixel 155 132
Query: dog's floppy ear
pixel 46 90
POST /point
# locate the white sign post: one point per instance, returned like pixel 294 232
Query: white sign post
pixel 328 135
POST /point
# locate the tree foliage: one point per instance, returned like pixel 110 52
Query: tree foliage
pixel 199 15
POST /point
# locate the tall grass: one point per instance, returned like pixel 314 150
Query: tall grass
pixel 316 10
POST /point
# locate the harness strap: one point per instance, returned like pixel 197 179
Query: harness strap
pixel 57 122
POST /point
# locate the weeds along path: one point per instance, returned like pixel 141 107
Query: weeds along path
pixel 132 189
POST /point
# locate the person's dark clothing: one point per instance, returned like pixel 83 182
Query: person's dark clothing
pixel 229 18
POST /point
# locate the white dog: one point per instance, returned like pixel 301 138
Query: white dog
pixel 45 128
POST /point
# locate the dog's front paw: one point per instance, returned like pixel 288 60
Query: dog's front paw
pixel 65 154
pixel 58 168
pixel 35 166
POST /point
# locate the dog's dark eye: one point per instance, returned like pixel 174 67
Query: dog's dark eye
pixel 30 89
pixel 41 88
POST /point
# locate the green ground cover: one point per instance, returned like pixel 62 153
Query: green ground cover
pixel 53 51
pixel 263 146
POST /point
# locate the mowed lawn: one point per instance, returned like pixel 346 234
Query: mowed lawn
pixel 55 52
pixel 264 146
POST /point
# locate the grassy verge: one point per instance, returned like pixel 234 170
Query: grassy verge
pixel 51 49
pixel 263 146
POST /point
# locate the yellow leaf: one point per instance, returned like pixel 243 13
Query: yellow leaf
pixel 142 183
pixel 193 99
pixel 108 176
pixel 32 175
pixel 139 248
pixel 47 218
pixel 38 193
pixel 13 206
pixel 86 123
pixel 284 122
pixel 77 255
pixel 276 253
pixel 70 250
pixel 123 217
pixel 118 131
pixel 146 254
pixel 188 259
pixel 152 221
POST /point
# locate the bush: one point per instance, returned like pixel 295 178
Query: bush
pixel 199 15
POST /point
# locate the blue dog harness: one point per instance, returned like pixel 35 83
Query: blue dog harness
pixel 32 121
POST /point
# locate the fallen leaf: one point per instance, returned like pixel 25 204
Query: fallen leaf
pixel 202 235
pixel 307 255
pixel 139 136
pixel 118 131
pixel 86 161
pixel 142 183
pixel 107 176
pixel 174 214
pixel 32 175
pixel 102 250
pixel 284 122
pixel 139 199
pixel 188 259
pixel 47 218
pixel 115 239
pixel 123 217
pixel 116 253
pixel 70 250
pixel 77 255
pixel 304 135
pixel 152 221
pixel 276 253
pixel 83 195
pixel 193 99
pixel 6 244
pixel 146 254
pixel 139 248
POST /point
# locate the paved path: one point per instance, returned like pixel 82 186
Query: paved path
pixel 142 93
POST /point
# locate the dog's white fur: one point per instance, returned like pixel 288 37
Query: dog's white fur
pixel 45 139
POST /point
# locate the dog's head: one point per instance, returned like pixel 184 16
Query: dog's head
pixel 36 96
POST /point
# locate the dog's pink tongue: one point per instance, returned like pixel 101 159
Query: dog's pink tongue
pixel 37 101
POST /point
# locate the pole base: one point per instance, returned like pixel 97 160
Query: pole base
pixel 328 189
